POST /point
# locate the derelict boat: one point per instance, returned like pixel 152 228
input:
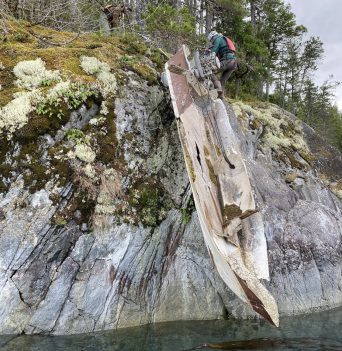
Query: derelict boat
pixel 231 224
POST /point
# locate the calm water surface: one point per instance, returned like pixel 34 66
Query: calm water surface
pixel 319 331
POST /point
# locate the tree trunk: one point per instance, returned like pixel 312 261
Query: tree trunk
pixel 208 17
pixel 201 24
pixel 268 83
pixel 253 15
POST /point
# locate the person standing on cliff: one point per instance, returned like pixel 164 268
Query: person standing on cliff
pixel 116 14
pixel 225 50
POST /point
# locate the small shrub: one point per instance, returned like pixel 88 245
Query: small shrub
pixel 188 210
pixel 75 135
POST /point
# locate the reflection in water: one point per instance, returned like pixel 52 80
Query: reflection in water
pixel 274 344
pixel 320 331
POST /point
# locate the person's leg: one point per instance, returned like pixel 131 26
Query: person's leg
pixel 228 68
pixel 217 84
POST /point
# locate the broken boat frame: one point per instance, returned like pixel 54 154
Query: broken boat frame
pixel 231 224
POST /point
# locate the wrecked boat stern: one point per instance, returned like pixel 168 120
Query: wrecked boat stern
pixel 231 224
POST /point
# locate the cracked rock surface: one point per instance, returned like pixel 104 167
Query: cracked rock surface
pixel 61 279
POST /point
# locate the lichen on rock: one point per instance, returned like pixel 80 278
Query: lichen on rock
pixel 15 114
pixel 85 153
pixel 279 131
pixel 106 80
pixel 33 73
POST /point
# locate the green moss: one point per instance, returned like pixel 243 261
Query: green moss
pixel 108 144
pixel 59 220
pixel 145 72
pixel 36 126
pixel 258 104
pixel 55 198
pixel 188 210
pixel 3 187
pixel 63 170
pixel 230 212
pixel 29 149
pixel 158 58
pixel 36 177
pixel 133 44
pixel 28 163
pixel 94 46
pixel 307 156
pixel 21 37
pixel 150 202
pixel 279 130
pixel 48 118
pixel 5 170
pixel 136 65
pixel 73 98
pixel 84 204
pixel 8 88
pixel 5 147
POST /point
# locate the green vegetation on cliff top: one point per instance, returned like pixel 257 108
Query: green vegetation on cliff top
pixel 88 71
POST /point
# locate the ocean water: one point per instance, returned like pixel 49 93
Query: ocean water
pixel 318 331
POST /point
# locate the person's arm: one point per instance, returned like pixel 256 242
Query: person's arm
pixel 216 46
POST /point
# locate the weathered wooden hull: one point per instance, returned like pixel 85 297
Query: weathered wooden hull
pixel 220 185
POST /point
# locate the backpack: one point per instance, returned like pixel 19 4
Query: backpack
pixel 230 45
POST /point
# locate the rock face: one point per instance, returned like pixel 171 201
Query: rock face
pixel 60 277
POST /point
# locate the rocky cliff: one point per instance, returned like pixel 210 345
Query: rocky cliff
pixel 97 225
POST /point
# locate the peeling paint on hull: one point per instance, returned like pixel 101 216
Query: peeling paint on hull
pixel 220 185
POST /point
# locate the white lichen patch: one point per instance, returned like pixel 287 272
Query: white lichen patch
pixel 85 153
pixel 278 129
pixel 15 114
pixel 2 67
pixel 93 66
pixel 89 171
pixel 32 74
pixel 58 91
pixel 106 81
pixel 104 109
pixel 97 121
pixel 105 209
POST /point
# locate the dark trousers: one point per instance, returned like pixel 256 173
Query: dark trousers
pixel 227 68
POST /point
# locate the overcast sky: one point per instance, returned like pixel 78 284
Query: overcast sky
pixel 323 18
